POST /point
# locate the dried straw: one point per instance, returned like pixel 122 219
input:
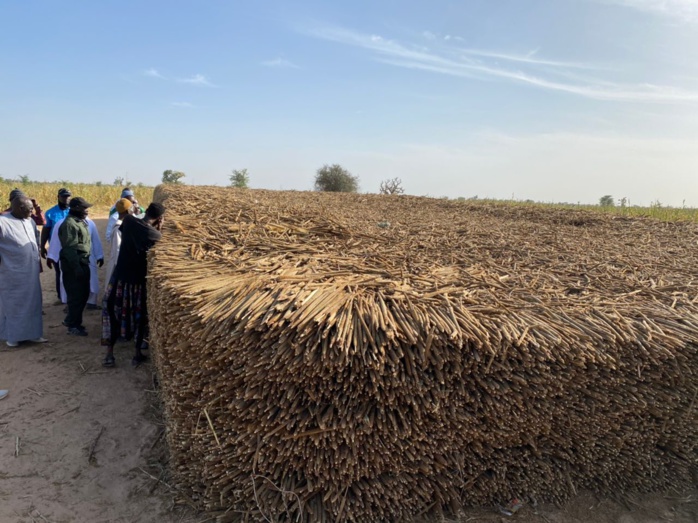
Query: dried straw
pixel 317 364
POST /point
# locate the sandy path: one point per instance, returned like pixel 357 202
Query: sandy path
pixel 61 399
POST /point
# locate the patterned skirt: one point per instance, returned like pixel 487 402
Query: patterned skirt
pixel 124 313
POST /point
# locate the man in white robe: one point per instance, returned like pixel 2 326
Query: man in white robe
pixel 96 259
pixel 20 287
pixel 123 207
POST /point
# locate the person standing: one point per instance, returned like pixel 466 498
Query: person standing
pixel 76 245
pixel 54 215
pixel 124 208
pixel 124 310
pixel 37 214
pixel 96 260
pixel 20 292
pixel 114 214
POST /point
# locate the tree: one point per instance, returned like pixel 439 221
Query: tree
pixel 119 181
pixel 170 176
pixel 393 186
pixel 607 201
pixel 334 178
pixel 240 178
pixel 24 179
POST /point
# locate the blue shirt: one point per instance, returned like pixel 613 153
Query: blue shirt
pixel 54 215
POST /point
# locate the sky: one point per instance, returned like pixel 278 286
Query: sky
pixel 548 100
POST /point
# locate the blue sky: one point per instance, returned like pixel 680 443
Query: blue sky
pixel 550 100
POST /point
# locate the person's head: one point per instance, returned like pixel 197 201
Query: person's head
pixel 155 213
pixel 64 197
pixel 21 207
pixel 124 207
pixel 128 194
pixel 14 193
pixel 78 207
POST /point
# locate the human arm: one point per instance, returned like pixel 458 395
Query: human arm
pixel 45 235
pixel 97 249
pixel 38 237
pixel 113 218
pixel 54 244
pixel 37 214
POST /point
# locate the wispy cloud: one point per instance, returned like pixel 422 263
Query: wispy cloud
pixel 197 79
pixel 153 73
pixel 280 63
pixel 544 74
pixel 528 58
pixel 686 10
pixel 185 105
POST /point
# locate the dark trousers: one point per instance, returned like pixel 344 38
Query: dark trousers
pixel 76 281
pixel 57 268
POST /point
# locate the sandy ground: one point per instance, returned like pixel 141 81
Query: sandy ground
pixel 60 401
pixel 79 443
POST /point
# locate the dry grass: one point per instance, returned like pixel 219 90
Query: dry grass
pixel 361 357
pixel 101 196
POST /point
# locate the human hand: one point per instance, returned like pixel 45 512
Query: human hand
pixel 100 262
pixel 49 262
pixel 44 253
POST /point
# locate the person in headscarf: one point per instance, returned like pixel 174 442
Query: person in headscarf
pixel 54 215
pixel 76 244
pixel 125 312
pixel 124 207
pixel 20 292
pixel 37 214
pixel 96 260
pixel 114 214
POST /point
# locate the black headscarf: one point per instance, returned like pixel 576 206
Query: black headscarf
pixel 78 212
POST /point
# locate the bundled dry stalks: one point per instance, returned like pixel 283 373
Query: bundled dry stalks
pixel 328 357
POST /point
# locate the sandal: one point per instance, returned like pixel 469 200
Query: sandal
pixel 109 361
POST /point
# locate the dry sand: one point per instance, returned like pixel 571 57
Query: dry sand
pixel 63 407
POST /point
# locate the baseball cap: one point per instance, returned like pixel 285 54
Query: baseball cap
pixel 126 193
pixel 79 202
pixel 64 192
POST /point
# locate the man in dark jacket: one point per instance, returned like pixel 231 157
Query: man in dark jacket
pixel 76 244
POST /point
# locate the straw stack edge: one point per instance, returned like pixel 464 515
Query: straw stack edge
pixel 335 357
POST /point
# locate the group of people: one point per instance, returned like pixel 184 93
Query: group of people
pixel 71 245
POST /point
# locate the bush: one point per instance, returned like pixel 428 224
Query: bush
pixel 170 176
pixel 334 178
pixel 240 178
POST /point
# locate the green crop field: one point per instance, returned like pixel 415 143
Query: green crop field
pixel 657 211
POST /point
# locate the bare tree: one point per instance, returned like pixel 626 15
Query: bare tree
pixel 393 186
